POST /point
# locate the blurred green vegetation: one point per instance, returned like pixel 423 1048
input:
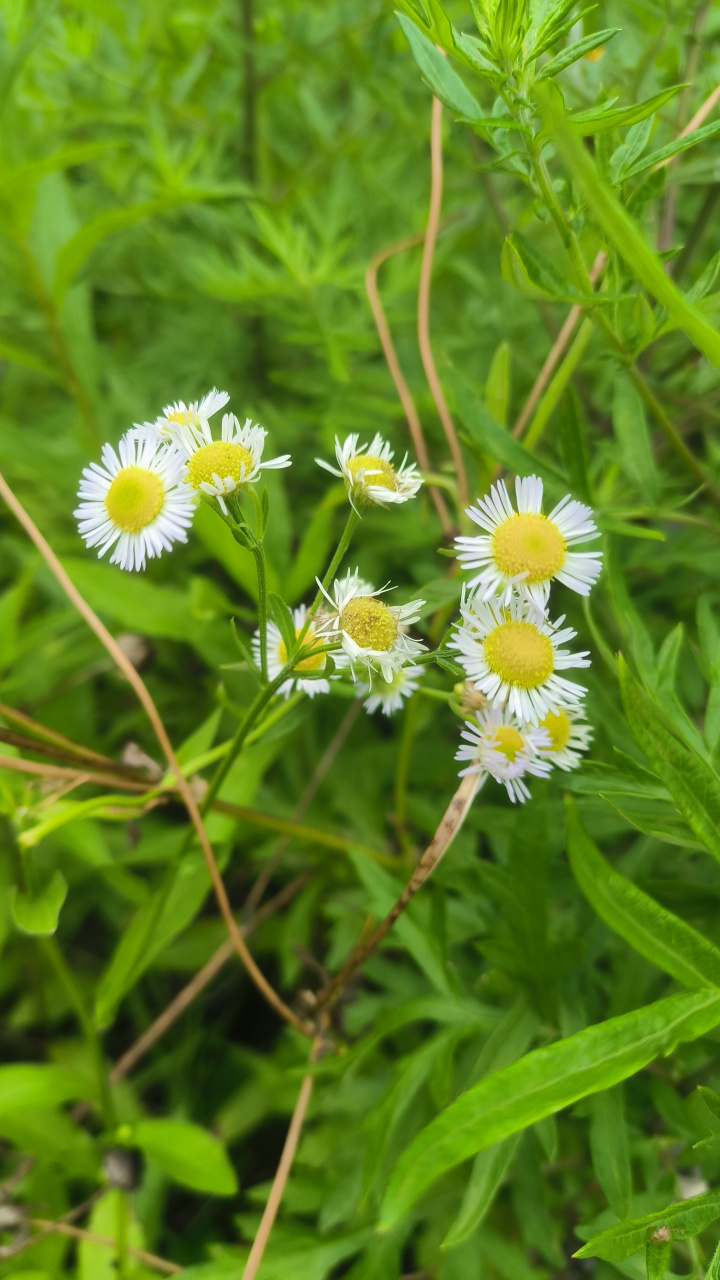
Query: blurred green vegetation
pixel 190 195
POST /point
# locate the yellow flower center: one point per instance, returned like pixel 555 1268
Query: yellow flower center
pixel 520 654
pixel 558 727
pixel 220 459
pixel 529 544
pixel 182 416
pixel 134 499
pixel 369 622
pixel 314 661
pixel 509 741
pixel 383 474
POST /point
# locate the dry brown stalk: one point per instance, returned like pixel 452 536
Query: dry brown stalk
pixel 396 373
pixel 49 1227
pixel 134 679
pixel 450 824
pixel 555 353
pixel 426 354
pixel 283 1170
pixel 51 738
pixel 76 776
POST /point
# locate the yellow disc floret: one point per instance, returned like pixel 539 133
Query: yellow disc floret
pixel 530 544
pixel 558 726
pixel 134 499
pixel 381 473
pixel 314 661
pixel 509 741
pixel 520 654
pixel 370 623
pixel 220 459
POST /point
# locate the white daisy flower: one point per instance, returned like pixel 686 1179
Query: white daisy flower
pixel 498 744
pixel 372 633
pixel 513 657
pixel 180 414
pixel 526 550
pixel 369 474
pixel 569 735
pixel 387 695
pixel 222 467
pixel 135 501
pixel 277 656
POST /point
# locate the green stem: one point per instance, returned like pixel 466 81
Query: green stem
pixel 342 547
pixel 259 554
pixel 121 1235
pixel 64 973
pixel 671 434
pixel 558 384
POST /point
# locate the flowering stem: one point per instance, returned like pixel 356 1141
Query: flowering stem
pixel 259 553
pixel 342 547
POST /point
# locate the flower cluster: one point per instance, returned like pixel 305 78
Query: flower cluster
pixel 513 655
pixel 143 496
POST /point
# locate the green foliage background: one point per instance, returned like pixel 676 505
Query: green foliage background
pixel 181 207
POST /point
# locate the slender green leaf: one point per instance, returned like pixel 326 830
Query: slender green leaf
pixel 545 1081
pixel 692 783
pixel 497 387
pixel 39 913
pixel 622 232
pixel 610 1149
pixel 488 1171
pixel 283 620
pixel 188 1154
pixel 575 51
pixel 687 1218
pixel 672 149
pixel 437 72
pixel 37 1085
pixel 596 120
pixel 631 431
pixel 488 435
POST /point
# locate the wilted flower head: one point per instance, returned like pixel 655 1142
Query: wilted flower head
pixel 369 474
pixel 371 632
pixel 498 744
pixel 387 695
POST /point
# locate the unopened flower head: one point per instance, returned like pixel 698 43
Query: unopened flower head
pixel 498 744
pixel 222 467
pixel 569 735
pixel 514 659
pixel 371 632
pixel 180 414
pixel 277 657
pixel 134 501
pixel 369 474
pixel 387 695
pixel 526 550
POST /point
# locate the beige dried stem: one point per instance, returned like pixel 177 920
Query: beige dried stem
pixel 426 354
pixel 47 1227
pixel 450 824
pixel 135 681
pixel 396 373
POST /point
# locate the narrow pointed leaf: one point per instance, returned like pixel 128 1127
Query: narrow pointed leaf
pixel 566 57
pixel 543 1082
pixel 681 1220
pixel 657 934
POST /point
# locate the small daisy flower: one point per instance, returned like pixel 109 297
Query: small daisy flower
pixel 387 695
pixel 371 632
pixel 180 414
pixel 134 501
pixel 498 744
pixel 526 550
pixel 277 656
pixel 369 474
pixel 514 658
pixel 569 735
pixel 222 467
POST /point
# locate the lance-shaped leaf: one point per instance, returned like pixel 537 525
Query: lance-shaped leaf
pixel 437 73
pixel 599 120
pixel 543 1082
pixel 677 1222
pixel 692 783
pixel 657 934
pixel 672 149
pixel 566 57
